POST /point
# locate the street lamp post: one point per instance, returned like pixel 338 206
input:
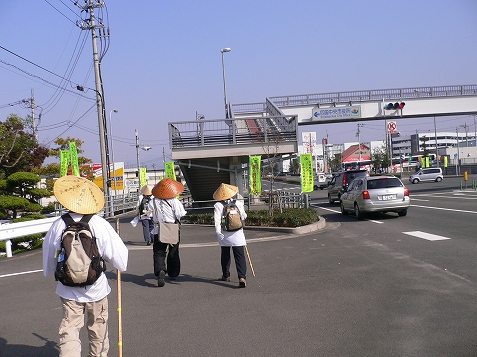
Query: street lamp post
pixel 145 148
pixel 137 156
pixel 112 157
pixel 223 50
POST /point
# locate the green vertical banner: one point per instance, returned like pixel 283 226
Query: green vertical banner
pixel 74 159
pixel 427 161
pixel 170 170
pixel 306 165
pixel 142 177
pixel 446 162
pixel 64 162
pixel 423 162
pixel 255 163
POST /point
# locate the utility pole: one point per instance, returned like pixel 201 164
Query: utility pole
pixel 30 103
pixel 359 144
pixel 90 24
pixel 137 154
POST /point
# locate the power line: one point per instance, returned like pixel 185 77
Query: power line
pixel 60 11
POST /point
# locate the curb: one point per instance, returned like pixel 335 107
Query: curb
pixel 297 230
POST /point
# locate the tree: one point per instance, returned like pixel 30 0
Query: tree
pixel 294 166
pixel 19 148
pixel 18 193
pixel 335 163
pixel 380 158
pixel 271 143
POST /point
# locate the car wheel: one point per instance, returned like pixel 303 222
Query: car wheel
pixel 438 179
pixel 343 211
pixel 402 213
pixel 330 200
pixel 357 212
pixel 415 181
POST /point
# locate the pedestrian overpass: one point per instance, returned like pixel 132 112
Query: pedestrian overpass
pixel 213 151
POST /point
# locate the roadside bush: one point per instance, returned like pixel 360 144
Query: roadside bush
pixel 48 209
pixel 291 217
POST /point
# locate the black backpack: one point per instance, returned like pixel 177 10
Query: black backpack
pixel 231 220
pixel 79 263
pixel 143 207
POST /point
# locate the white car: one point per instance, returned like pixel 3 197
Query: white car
pixel 430 174
pixel 375 194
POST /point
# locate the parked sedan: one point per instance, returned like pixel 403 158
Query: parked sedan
pixel 375 194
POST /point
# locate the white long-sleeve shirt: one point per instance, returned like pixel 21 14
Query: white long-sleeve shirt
pixel 164 213
pixel 110 246
pixel 235 238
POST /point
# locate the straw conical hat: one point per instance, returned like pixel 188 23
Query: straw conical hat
pixel 167 188
pixel 225 192
pixel 147 190
pixel 78 194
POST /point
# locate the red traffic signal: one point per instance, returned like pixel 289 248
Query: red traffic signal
pixel 397 105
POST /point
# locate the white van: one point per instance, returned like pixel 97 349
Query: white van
pixel 431 174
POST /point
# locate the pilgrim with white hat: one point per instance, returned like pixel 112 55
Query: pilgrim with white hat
pixel 144 214
pixel 82 197
pixel 165 207
pixel 225 195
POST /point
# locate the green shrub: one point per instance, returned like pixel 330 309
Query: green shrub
pixel 48 209
pixel 291 217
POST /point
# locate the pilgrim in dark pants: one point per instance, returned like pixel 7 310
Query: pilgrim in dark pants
pixel 166 208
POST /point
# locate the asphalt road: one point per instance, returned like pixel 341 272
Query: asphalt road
pixel 356 288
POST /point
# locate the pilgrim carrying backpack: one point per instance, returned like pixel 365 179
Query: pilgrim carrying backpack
pixel 143 207
pixel 79 263
pixel 231 220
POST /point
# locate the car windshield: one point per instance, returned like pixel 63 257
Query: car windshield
pixel 384 183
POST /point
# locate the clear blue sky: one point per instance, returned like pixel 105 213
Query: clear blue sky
pixel 164 62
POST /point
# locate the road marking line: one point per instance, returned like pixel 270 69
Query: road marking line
pixel 425 235
pixel 417 199
pixel 23 272
pixel 445 209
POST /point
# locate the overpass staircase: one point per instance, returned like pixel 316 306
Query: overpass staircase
pixel 211 152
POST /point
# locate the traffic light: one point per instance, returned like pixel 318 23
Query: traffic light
pixel 397 105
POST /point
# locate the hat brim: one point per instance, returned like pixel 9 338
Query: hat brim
pixel 167 188
pixel 78 194
pixel 224 192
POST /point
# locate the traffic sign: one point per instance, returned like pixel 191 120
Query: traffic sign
pixel 392 127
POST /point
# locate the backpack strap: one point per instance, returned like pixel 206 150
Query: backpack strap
pixel 67 219
pixel 86 218
pixel 173 211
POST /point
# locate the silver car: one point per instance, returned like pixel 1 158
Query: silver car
pixel 375 194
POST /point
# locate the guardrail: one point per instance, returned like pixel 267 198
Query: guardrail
pixel 9 231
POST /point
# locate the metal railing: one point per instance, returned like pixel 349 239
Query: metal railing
pixel 233 131
pixel 280 199
pixel 127 203
pixel 358 96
